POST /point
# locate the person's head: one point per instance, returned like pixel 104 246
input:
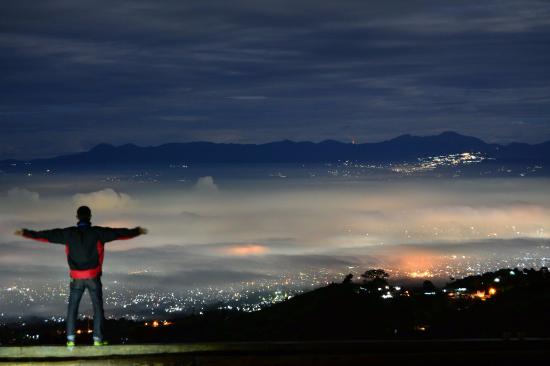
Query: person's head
pixel 84 213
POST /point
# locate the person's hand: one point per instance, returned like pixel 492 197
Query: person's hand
pixel 19 232
pixel 142 230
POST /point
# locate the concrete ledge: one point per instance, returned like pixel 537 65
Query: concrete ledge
pixel 48 352
pixel 473 346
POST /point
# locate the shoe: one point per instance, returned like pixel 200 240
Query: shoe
pixel 100 343
pixel 70 344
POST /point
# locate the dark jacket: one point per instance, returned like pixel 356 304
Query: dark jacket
pixel 84 245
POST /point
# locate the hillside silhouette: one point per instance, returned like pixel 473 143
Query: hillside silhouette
pixel 517 305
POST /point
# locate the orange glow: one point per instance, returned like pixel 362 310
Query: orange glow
pixel 79 331
pixel 421 274
pixel 158 323
pixel 480 295
pixel 251 249
pixel 416 263
pixel 117 223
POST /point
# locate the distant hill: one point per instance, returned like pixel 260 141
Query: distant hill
pixel 472 307
pixel 399 149
pixel 348 311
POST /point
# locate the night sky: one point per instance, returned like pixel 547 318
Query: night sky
pixel 76 73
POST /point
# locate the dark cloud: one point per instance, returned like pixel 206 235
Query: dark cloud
pixel 502 247
pixel 164 261
pixel 191 279
pixel 36 273
pixel 76 73
pixel 173 258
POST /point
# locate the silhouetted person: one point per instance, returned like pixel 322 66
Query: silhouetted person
pixel 84 246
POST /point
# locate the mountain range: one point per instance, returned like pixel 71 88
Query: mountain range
pixel 400 149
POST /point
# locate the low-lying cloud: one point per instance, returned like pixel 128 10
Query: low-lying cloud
pixel 18 194
pixel 259 229
pixel 206 184
pixel 105 199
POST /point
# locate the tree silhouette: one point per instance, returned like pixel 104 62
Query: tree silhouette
pixel 348 278
pixel 375 278
pixel 428 286
pixel 373 274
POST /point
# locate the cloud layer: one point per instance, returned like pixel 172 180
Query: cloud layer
pixel 256 224
pixel 258 229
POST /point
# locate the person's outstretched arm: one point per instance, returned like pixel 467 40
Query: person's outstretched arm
pixel 47 236
pixel 109 234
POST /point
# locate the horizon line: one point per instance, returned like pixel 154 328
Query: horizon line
pixel 352 142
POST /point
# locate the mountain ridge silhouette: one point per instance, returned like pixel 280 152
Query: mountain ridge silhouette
pixel 401 148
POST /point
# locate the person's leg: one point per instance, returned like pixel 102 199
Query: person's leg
pixel 96 295
pixel 75 294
